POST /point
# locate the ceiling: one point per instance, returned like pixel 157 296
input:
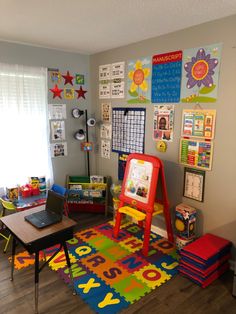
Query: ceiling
pixel 91 26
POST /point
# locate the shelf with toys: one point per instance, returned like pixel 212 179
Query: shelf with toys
pixel 88 193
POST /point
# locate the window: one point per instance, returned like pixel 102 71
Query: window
pixel 24 131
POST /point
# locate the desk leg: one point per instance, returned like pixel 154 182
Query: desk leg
pixel 69 266
pixel 13 257
pixel 36 281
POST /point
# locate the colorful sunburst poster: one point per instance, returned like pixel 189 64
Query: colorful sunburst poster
pixel 139 81
pixel 200 74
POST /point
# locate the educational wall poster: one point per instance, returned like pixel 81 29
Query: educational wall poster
pixel 55 76
pixel 195 153
pixel 122 159
pixel 198 123
pixel 104 89
pixel 106 112
pixel 59 149
pixel 118 70
pixel 105 149
pixel 104 72
pixel 194 181
pixel 57 130
pixel 57 111
pixel 69 93
pixel 163 124
pixel 117 89
pixel 139 81
pixel 105 131
pixel 166 77
pixel 128 130
pixel 138 180
pixel 200 74
pixel 79 79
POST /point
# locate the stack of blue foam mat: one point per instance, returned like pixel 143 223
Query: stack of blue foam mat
pixel 205 259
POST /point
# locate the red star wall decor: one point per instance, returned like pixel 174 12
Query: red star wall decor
pixel 81 92
pixel 56 91
pixel 68 78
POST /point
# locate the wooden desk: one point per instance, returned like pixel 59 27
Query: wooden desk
pixel 35 240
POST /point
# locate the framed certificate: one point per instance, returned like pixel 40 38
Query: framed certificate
pixel 194 181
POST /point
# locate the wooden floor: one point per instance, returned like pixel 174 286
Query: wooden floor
pixel 177 296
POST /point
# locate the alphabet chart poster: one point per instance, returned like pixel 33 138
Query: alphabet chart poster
pixel 166 77
pixel 128 130
pixel 200 74
pixel 163 123
pixel 195 153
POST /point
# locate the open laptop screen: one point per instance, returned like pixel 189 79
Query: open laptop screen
pixel 55 203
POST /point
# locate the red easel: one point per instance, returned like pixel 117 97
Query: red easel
pixel 138 195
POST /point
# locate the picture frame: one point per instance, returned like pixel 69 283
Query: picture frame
pixel 194 184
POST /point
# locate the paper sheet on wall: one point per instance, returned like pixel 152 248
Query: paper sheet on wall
pixel 105 149
pixel 59 149
pixel 57 130
pixel 106 112
pixel 163 124
pixel 105 131
pixel 200 74
pixel 57 111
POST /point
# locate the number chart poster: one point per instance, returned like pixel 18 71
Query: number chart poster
pixel 128 130
pixel 196 153
pixel 200 74
pixel 139 81
pixel 166 77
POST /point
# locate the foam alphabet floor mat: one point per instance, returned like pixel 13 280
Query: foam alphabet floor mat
pixel 110 274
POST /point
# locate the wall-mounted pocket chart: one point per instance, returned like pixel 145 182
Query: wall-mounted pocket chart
pixel 198 123
pixel 196 148
pixel 196 153
pixel 128 130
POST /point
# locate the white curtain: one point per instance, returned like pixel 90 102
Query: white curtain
pixel 24 131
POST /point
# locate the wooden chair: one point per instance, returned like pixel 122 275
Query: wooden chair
pixel 7 206
pixel 62 191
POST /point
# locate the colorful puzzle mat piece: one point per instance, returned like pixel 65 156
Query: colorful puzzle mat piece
pixel 110 274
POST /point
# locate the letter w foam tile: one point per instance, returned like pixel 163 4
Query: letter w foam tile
pixel 131 288
pixel 152 276
pixel 78 271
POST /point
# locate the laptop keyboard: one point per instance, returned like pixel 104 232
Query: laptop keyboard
pixel 45 216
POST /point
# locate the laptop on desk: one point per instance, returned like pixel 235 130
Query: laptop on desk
pixel 52 213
